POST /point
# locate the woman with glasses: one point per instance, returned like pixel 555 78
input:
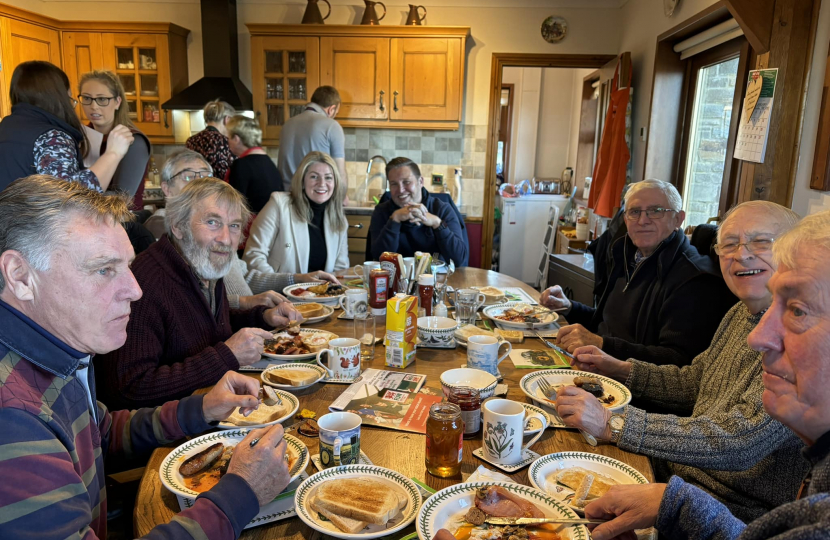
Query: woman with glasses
pixel 43 135
pixel 105 106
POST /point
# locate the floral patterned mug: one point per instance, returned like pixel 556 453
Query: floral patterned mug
pixel 504 422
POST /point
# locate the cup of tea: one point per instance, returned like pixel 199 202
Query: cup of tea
pixel 355 302
pixel 343 357
pixel 339 439
pixel 365 269
pixel 503 429
pixel 483 353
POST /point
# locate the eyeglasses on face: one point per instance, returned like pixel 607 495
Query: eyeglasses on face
pixel 101 101
pixel 189 174
pixel 757 245
pixel 655 212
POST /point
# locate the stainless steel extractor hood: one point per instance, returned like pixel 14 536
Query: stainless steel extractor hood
pixel 220 54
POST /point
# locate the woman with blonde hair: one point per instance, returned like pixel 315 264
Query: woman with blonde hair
pixel 104 102
pixel 212 142
pixel 303 230
pixel 253 173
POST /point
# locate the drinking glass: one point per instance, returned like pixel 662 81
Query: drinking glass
pixel 442 272
pixel 364 332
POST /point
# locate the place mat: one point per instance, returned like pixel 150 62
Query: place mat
pixel 517 294
pixel 364 460
pixel 282 507
pixel 535 359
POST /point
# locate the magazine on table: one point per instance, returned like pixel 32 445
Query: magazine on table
pixel 373 380
pixel 393 409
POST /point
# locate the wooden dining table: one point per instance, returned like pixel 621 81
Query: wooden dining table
pixel 400 451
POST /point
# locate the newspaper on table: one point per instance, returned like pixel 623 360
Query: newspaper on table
pixel 373 381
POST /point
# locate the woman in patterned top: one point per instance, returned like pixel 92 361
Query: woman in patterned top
pixel 43 135
pixel 212 142
pixel 105 105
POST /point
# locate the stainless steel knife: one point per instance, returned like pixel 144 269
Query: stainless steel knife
pixel 535 521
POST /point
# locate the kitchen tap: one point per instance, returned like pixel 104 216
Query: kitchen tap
pixel 369 170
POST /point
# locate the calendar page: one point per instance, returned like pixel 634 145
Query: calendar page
pixel 753 130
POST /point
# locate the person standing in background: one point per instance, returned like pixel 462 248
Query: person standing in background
pixel 314 130
pixel 253 173
pixel 105 106
pixel 43 135
pixel 212 142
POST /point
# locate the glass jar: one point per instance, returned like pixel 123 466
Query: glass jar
pixel 469 401
pixel 445 442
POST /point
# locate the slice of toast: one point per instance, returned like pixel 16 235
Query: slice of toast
pixel 311 309
pixel 513 336
pixel 345 524
pixel 574 476
pixel 294 377
pixel 362 499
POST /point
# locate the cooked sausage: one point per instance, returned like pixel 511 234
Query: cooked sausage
pixel 201 461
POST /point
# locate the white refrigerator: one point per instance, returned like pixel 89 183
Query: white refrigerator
pixel 524 221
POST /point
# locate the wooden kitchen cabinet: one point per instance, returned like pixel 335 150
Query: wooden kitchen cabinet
pixel 387 76
pixel 21 41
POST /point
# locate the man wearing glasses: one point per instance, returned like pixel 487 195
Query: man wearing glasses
pixel 414 220
pixel 663 301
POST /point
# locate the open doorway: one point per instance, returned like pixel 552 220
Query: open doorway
pixel 505 125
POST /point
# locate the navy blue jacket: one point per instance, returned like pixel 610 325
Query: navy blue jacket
pixel 448 239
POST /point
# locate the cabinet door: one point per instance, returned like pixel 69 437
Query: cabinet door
pixel 82 53
pixel 359 68
pixel 426 79
pixel 286 71
pixel 21 42
pixel 142 62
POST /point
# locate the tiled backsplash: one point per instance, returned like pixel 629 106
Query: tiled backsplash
pixel 438 152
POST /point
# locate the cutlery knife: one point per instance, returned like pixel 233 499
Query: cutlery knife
pixel 534 521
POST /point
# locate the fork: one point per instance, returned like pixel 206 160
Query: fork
pixel 547 389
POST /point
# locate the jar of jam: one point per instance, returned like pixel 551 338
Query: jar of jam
pixel 378 290
pixel 469 401
pixel 445 442
pixel 426 288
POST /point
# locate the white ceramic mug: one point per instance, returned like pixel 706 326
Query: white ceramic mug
pixel 365 269
pixel 503 430
pixel 355 302
pixel 339 439
pixel 483 353
pixel 344 358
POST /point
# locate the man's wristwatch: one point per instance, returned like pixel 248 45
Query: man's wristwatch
pixel 616 424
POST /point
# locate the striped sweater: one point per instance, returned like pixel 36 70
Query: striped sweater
pixel 720 437
pixel 53 445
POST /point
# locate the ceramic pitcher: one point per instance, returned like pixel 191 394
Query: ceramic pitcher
pixel 312 13
pixel 370 16
pixel 413 19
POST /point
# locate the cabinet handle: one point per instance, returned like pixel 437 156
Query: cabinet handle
pixel 358 226
pixel 381 101
pixel 166 125
pixel 395 101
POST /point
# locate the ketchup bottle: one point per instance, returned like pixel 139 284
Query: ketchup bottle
pixel 378 290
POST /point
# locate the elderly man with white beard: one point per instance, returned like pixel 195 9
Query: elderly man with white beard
pixel 182 335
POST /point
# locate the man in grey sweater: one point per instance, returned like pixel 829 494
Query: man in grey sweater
pixel 719 437
pixel 794 339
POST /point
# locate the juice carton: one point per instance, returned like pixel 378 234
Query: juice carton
pixel 401 330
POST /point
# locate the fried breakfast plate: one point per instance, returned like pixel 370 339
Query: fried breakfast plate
pixel 299 293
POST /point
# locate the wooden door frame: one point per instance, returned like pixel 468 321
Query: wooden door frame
pixel 511 88
pixel 497 65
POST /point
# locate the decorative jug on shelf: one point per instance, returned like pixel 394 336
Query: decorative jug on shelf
pixel 413 19
pixel 370 16
pixel 312 13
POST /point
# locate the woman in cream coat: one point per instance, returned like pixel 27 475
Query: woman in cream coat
pixel 304 230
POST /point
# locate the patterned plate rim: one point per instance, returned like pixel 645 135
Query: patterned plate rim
pixel 293 365
pixel 487 309
pixel 166 468
pixel 283 395
pixel 536 466
pixel 286 291
pixel 431 504
pixel 407 484
pixel 537 409
pixel 318 318
pixel 525 381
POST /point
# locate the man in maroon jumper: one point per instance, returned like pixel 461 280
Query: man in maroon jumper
pixel 183 335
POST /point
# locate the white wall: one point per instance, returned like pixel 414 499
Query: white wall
pixel 576 108
pixel 527 84
pixel 555 119
pixel 805 200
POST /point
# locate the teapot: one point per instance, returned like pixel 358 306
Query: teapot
pixel 413 19
pixel 312 13
pixel 370 16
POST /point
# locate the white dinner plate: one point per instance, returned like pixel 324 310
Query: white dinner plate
pixel 289 293
pixel 542 472
pixel 321 373
pixel 395 480
pixel 295 357
pixel 289 400
pixel 327 312
pixel 492 312
pixel 173 480
pixel 530 386
pixel 446 509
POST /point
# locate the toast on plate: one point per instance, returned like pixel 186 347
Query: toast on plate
pixel 311 309
pixel 345 524
pixel 294 377
pixel 513 336
pixel 573 477
pixel 361 499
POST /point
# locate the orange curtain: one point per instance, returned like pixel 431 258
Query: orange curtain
pixel 613 155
